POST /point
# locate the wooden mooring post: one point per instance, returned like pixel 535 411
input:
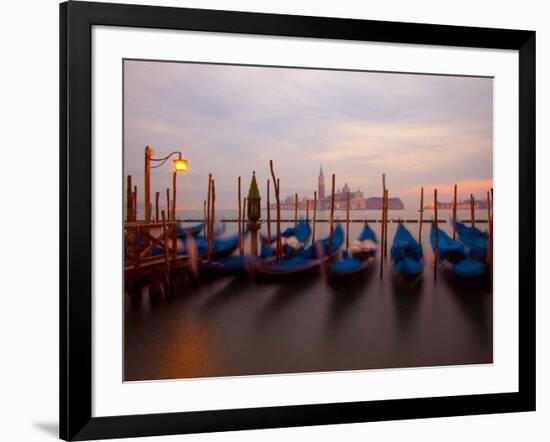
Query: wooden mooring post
pixel 454 210
pixel 488 207
pixel 167 203
pixel 421 210
pixel 491 237
pixel 276 184
pixel 436 251
pixel 331 217
pixel 279 238
pixel 239 225
pixel 490 229
pixel 382 226
pixel 212 218
pixel 129 205
pixel 134 201
pixel 157 198
pixel 208 205
pixel 382 233
pixel 174 245
pixel 295 210
pixel 243 221
pixel 472 210
pixel 268 214
pixel 347 220
pixel 386 221
pixel 314 216
pixel 166 253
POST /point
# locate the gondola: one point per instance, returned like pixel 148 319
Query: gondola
pixel 447 248
pixel 292 239
pixel 365 246
pixel 306 261
pixel 182 231
pixel 455 262
pixel 321 248
pixel 221 247
pixel 467 269
pixel 475 240
pixel 348 268
pixel 181 234
pixel 268 251
pixel 301 231
pixel 406 254
pixel 354 262
pixel 223 262
pixel 230 266
pixel 286 268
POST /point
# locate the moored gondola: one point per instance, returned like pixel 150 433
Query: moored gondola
pixel 221 247
pixel 455 262
pixel 230 266
pixel 467 269
pixel 448 249
pixel 183 231
pixel 406 254
pixel 322 247
pixel 365 245
pixel 475 240
pixel 308 260
pixel 348 268
pixel 357 260
pixel 283 269
pixel 292 239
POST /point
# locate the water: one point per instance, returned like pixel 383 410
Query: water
pixel 407 214
pixel 233 327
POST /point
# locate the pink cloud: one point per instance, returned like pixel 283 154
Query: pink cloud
pixel 477 187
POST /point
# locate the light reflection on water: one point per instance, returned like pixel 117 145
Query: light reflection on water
pixel 233 326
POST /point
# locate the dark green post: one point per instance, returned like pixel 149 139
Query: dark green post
pixel 253 211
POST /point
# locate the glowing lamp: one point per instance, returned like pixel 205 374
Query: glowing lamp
pixel 180 165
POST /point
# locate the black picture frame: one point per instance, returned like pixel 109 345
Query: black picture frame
pixel 76 21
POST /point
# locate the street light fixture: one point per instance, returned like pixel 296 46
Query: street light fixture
pixel 179 165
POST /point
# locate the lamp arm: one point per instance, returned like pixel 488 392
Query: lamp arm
pixel 164 159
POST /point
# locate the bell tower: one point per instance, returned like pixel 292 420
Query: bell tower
pixel 321 184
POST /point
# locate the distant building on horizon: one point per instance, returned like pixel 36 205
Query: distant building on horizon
pixel 357 198
pixel 464 204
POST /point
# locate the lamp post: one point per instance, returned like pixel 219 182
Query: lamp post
pixel 148 157
pixel 253 212
pixel 179 165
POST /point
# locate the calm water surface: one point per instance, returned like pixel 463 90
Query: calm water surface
pixel 233 326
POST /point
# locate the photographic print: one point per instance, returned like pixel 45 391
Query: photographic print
pixel 298 220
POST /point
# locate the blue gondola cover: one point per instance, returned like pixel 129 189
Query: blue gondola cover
pixel 311 252
pixel 469 268
pixel 406 253
pixel 447 248
pixel 476 241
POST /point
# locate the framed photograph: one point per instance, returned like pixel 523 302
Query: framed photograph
pixel 272 220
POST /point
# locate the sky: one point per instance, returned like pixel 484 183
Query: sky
pixel 421 130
